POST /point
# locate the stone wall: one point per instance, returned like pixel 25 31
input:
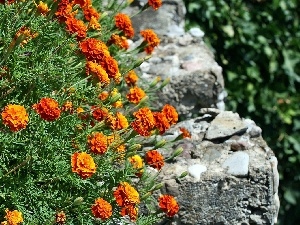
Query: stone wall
pixel 232 173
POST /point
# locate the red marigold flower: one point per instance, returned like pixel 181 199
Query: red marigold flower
pixel 93 49
pixel 48 109
pixel 131 78
pixel 151 38
pixel 103 95
pixel 90 12
pixel 185 132
pixel 168 204
pixel 119 41
pixel 83 3
pixel 15 117
pixel 111 66
pixel 144 121
pixel 154 159
pixel 155 4
pixel 83 164
pixel 170 113
pixel 135 95
pixel 123 23
pixel 99 114
pixel 65 10
pixel 97 71
pixel 60 217
pixel 102 209
pixel 13 217
pixel 161 122
pixel 131 211
pixel 126 195
pixel 76 26
pixel 97 143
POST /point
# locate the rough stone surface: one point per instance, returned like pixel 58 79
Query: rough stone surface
pixel 223 185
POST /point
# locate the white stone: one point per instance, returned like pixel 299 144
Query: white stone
pixel 196 32
pixel 196 170
pixel 237 164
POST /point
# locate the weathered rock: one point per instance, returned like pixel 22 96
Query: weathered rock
pixel 223 186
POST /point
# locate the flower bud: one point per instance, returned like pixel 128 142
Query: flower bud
pixel 165 82
pixel 160 143
pixel 154 82
pixel 184 174
pixel 176 153
pixel 134 148
pixel 157 187
pixel 78 201
pixel 145 196
pixel 143 100
pixel 115 98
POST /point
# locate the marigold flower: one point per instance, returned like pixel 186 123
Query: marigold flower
pixel 42 8
pixel 83 164
pixel 123 23
pixel 67 106
pixel 60 217
pixel 137 163
pixel 76 26
pixel 169 205
pixel 111 67
pixel 27 35
pixel 93 49
pixel 83 3
pixel 185 132
pixel 90 12
pixel 65 10
pixel 118 104
pixel 97 143
pixel 13 217
pixel 131 211
pixel 135 95
pixel 103 95
pixel 119 41
pixel 126 195
pixel 118 122
pixel 94 24
pixel 102 209
pixel 154 159
pixel 144 121
pixel 131 78
pixel 155 4
pixel 15 117
pixel 48 109
pixel 161 122
pixel 170 113
pixel 99 114
pixel 97 71
pixel 151 38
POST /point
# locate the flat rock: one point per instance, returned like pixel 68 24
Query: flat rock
pixel 237 164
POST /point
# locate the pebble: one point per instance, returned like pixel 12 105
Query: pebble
pixel 196 170
pixel 237 164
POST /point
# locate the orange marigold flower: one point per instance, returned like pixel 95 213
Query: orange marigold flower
pixel 97 71
pixel 135 95
pixel 126 195
pixel 93 49
pixel 103 95
pixel 83 164
pixel 76 26
pixel 169 205
pixel 94 24
pixel 67 106
pixel 131 78
pixel 15 117
pixel 102 209
pixel 48 109
pixel 118 122
pixel 137 163
pixel 170 113
pixel 185 132
pixel 13 217
pixel 119 41
pixel 154 159
pixel 123 23
pixel 111 66
pixel 144 121
pixel 131 211
pixel 97 143
pixel 151 38
pixel 155 4
pixel 60 217
pixel 90 12
pixel 65 10
pixel 99 114
pixel 118 104
pixel 42 8
pixel 161 122
pixel 27 35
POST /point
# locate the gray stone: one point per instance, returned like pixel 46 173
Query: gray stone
pixel 237 164
pixel 196 32
pixel 224 125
